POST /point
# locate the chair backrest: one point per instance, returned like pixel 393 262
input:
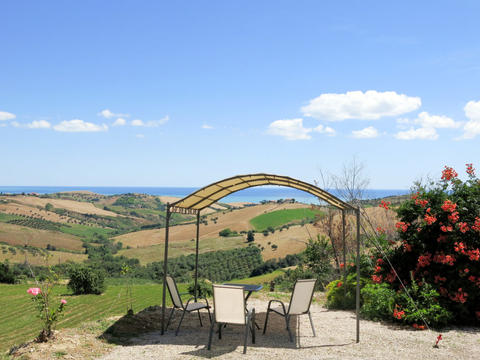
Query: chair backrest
pixel 301 296
pixel 229 304
pixel 173 290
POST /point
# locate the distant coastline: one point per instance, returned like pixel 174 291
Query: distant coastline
pixel 254 195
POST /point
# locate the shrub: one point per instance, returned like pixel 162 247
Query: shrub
pixel 6 274
pixel 378 301
pixel 86 280
pixel 204 288
pixel 439 229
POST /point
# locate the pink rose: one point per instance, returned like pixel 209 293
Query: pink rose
pixel 34 291
pixel 63 301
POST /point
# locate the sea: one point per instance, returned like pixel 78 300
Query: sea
pixel 253 195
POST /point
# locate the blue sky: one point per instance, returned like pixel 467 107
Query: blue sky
pixel 151 93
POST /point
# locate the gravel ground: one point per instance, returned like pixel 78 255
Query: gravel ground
pixel 335 340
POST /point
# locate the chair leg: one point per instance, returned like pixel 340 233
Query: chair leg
pixel 266 321
pixel 209 315
pixel 209 346
pixel 180 323
pixel 219 330
pixel 311 323
pixel 199 318
pixel 247 325
pixel 170 317
pixel 253 326
pixel 287 320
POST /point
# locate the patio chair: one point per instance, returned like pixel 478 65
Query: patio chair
pixel 230 308
pixel 299 304
pixel 187 308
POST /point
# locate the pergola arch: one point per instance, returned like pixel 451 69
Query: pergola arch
pixel 210 194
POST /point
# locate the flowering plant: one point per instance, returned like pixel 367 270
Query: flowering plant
pixel 49 310
pixel 439 233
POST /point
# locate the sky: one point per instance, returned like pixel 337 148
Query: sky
pixel 185 93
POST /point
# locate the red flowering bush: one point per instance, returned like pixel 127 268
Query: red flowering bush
pixel 439 229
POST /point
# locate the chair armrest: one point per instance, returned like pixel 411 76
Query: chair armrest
pixel 283 305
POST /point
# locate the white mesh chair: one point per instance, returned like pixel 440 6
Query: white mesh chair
pixel 299 304
pixel 187 308
pixel 230 308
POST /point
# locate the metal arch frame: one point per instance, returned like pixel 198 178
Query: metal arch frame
pixel 208 195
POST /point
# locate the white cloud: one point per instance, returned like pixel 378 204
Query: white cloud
pixel 367 133
pixel 119 122
pixel 324 130
pixel 137 122
pixel 206 126
pixel 36 124
pixel 6 116
pixel 369 105
pixel 472 127
pixel 151 123
pixel 290 129
pixel 107 114
pixel 39 124
pixel 435 121
pixel 422 133
pixel 78 125
pixel 139 136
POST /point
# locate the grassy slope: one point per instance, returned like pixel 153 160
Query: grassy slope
pixel 56 257
pixel 19 323
pixel 282 217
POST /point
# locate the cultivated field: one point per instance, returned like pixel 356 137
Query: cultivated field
pixel 20 235
pixel 236 220
pixel 70 205
pixel 55 257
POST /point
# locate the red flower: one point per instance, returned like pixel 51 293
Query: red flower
pixel 463 226
pixel 342 265
pixel 421 202
pixel 473 255
pixel 424 260
pixel 439 337
pixel 402 225
pixel 472 278
pixel 430 219
pixel 339 284
pixel 470 169
pixel 476 226
pixel 398 314
pixel 449 206
pixel 441 258
pixel 439 278
pixel 446 228
pixel 380 230
pixel 377 279
pixel 390 277
pixel 459 247
pixel 448 173
pixel 460 296
pixel 453 217
pixel 385 204
pixel 380 261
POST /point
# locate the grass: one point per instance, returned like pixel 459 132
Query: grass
pixel 260 279
pixel 155 252
pixel 4 217
pixel 283 217
pixel 85 231
pixel 19 323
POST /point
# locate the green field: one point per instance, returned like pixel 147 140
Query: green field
pixel 19 323
pixel 155 252
pixel 85 231
pixel 282 217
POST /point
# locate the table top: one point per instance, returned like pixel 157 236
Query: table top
pixel 247 287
